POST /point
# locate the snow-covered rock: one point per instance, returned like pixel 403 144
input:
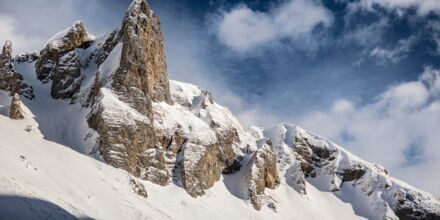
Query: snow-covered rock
pixel 53 55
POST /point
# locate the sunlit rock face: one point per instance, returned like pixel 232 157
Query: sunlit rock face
pixel 16 112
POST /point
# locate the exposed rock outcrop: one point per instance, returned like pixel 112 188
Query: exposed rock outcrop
pixel 10 79
pixel 66 78
pixel 59 61
pixel 139 80
pixel 27 57
pixel 261 173
pixel 127 139
pixel 15 111
pixel 138 188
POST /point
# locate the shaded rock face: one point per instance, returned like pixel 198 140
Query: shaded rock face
pixel 142 62
pixel 60 63
pixel 27 57
pixel 350 174
pixel 66 80
pixel 107 46
pixel 15 111
pixel 411 205
pixel 10 79
pixel 261 173
pixel 312 156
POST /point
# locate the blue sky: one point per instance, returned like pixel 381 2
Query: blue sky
pixel 361 72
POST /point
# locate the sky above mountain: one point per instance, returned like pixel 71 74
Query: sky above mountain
pixel 362 73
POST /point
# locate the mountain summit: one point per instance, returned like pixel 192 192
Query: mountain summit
pixel 174 152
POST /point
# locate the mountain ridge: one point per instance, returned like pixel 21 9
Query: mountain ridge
pixel 110 98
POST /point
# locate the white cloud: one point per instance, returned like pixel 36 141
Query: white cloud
pixel 403 117
pixel 423 7
pixel 395 54
pixel 243 29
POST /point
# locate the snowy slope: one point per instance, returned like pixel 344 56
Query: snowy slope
pixel 35 168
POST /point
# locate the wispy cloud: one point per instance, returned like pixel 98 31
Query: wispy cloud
pixel 399 52
pixel 243 29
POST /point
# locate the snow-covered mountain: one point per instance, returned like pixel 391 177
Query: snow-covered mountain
pixel 93 128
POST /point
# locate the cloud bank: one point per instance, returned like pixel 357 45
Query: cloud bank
pixel 243 28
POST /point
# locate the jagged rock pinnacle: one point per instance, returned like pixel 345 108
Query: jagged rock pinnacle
pixel 143 62
pixel 7 49
pixel 10 79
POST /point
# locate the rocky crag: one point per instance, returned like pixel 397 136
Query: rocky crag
pixel 169 132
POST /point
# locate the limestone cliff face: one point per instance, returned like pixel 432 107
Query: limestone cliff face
pixel 143 58
pixel 10 79
pixel 140 81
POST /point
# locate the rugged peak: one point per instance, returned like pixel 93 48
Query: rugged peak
pixel 65 41
pixel 71 38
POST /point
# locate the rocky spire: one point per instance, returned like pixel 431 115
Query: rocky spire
pixel 143 59
pixel 7 50
pixel 10 79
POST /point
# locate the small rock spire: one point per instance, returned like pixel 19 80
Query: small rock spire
pixel 6 55
pixel 15 111
pixel 7 49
